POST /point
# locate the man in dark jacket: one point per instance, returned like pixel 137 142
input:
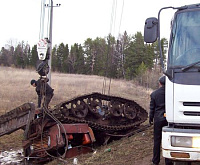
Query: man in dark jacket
pixel 157 114
pixel 43 90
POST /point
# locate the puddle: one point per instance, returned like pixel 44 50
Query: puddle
pixel 11 157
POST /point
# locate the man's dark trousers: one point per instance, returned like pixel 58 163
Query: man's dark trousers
pixel 48 99
pixel 157 140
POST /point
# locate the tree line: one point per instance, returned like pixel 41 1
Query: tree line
pixel 126 57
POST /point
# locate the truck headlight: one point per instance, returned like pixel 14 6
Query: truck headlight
pixel 196 142
pixel 185 141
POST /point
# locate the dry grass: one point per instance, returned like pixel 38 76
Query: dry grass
pixel 16 90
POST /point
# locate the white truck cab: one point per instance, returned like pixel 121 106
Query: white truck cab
pixel 181 138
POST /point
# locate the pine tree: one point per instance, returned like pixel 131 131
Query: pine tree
pixel 95 53
pixel 65 67
pixel 76 59
pixel 33 56
pixel 4 57
pixel 60 57
pixel 90 56
pixel 19 60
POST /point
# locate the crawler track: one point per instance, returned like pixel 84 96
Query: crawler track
pixel 104 113
pixel 101 112
pixel 110 118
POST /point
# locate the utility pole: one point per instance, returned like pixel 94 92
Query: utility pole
pixel 50 39
pixel 44 49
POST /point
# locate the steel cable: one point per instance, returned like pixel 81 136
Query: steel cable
pixel 46 111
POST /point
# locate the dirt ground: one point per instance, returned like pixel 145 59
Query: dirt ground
pixel 147 160
pixel 134 150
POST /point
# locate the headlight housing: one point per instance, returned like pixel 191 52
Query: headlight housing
pixel 185 141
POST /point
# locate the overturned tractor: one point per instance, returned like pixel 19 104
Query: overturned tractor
pixel 72 127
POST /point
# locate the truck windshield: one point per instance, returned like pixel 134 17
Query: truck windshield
pixel 185 39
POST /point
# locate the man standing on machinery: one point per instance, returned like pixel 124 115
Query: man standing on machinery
pixel 157 115
pixel 43 90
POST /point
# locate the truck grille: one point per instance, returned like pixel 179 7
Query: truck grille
pixel 191 104
pixel 189 113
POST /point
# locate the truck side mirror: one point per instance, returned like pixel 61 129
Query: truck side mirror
pixel 151 30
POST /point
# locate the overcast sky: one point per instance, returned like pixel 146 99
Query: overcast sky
pixel 76 20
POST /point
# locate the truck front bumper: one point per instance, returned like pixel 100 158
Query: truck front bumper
pixel 181 144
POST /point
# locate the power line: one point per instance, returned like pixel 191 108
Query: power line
pixel 112 28
pixel 122 11
pixel 113 15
